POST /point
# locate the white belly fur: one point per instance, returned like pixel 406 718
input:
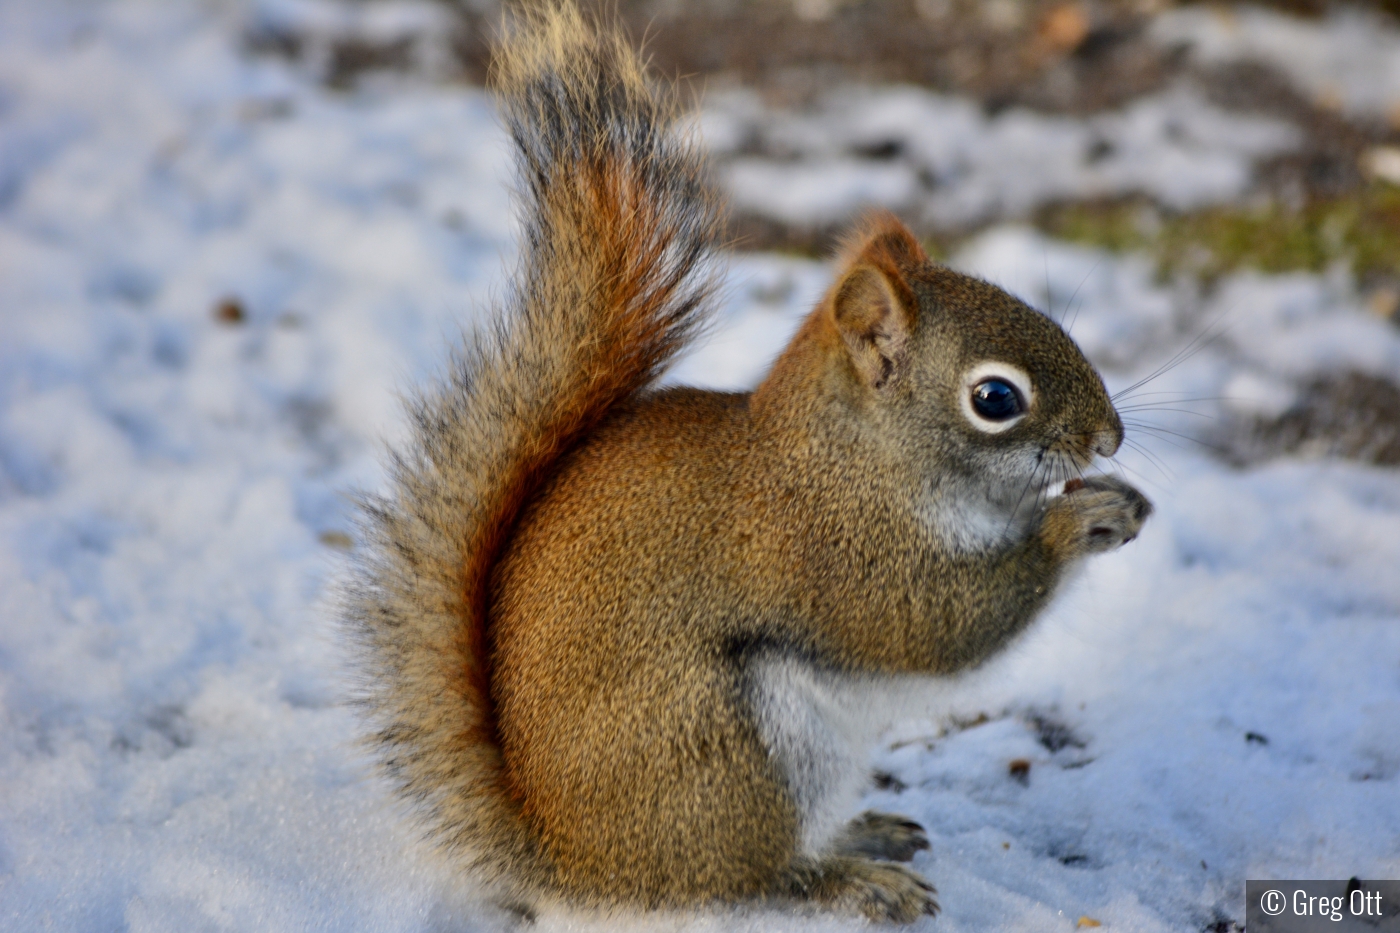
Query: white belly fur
pixel 820 726
pixel 964 519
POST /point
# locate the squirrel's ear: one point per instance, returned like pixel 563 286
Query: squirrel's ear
pixel 873 317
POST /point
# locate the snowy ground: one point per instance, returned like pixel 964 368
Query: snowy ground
pixel 1217 701
pixel 941 161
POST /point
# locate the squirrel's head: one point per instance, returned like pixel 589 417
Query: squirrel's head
pixel 955 374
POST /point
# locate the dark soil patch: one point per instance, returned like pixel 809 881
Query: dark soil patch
pixel 1047 54
pixel 1352 415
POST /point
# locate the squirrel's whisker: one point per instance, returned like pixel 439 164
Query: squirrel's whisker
pixel 1069 329
pixel 1157 462
pixel 1164 407
pixel 1197 344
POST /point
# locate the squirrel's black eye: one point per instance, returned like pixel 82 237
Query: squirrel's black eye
pixel 996 400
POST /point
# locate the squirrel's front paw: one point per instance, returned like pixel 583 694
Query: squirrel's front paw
pixel 881 836
pixel 1096 514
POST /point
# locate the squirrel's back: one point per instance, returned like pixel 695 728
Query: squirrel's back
pixel 614 275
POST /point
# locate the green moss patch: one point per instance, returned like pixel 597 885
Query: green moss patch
pixel 1361 229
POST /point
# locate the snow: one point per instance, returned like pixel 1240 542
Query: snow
pixel 423 27
pixel 175 753
pixel 951 165
pixel 1349 62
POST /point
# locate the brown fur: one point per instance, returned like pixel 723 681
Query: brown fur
pixel 612 280
pixel 567 594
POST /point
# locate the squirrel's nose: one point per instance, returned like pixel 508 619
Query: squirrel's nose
pixel 1107 442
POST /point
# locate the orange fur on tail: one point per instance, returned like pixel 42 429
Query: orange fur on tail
pixel 614 276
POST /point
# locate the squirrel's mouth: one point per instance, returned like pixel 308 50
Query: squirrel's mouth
pixel 1076 450
pixel 1065 459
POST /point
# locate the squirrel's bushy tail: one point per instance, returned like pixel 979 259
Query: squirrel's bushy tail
pixel 615 274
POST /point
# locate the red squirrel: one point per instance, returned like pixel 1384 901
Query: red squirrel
pixel 624 646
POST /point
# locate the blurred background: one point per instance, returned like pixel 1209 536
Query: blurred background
pixel 234 234
pixel 1210 137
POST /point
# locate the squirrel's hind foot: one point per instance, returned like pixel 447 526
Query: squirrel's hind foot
pixel 882 892
pixel 878 835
